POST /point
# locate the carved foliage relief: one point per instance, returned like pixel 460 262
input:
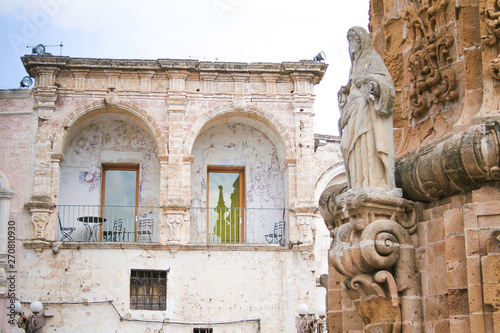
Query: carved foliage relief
pixel 491 16
pixel 433 81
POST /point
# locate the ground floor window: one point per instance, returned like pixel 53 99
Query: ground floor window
pixel 203 330
pixel 148 289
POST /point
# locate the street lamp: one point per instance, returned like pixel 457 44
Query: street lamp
pixel 33 323
pixel 321 322
pixel 305 321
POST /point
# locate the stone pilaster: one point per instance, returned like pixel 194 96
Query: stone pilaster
pixel 41 205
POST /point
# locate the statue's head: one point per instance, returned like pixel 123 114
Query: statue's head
pixel 359 39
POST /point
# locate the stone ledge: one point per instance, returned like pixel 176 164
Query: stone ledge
pixel 39 245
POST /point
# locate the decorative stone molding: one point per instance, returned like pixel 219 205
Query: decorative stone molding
pixel 463 161
pixel 40 209
pixel 492 19
pixel 495 67
pixel 305 226
pixel 174 217
pixel 373 248
pixel 433 80
pixel 46 98
pixel 174 223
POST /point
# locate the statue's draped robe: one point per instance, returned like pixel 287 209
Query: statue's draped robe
pixel 366 125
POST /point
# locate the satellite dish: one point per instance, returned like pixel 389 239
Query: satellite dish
pixel 26 82
pixel 39 49
pixel 320 56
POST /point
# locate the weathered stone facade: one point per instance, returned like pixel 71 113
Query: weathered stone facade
pixel 443 58
pixel 172 120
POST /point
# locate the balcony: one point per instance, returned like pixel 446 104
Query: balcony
pixel 239 225
pixel 94 223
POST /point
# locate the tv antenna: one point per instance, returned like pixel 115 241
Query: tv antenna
pixel 40 48
pixel 204 58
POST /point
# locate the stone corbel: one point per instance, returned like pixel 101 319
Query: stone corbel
pixel 372 246
pixel 80 75
pixel 45 76
pixel 174 218
pixel 174 222
pixel 306 232
pixel 40 212
pixel 208 81
pixel 45 100
pixel 113 76
pixel 271 86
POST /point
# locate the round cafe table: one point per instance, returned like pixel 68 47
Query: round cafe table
pixel 92 224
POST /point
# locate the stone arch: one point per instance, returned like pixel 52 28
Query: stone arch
pixel 88 111
pixel 248 115
pixel 334 175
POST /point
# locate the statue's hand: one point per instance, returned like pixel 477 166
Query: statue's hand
pixel 371 90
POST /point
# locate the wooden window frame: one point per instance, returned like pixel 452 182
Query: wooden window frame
pixel 119 167
pixel 229 169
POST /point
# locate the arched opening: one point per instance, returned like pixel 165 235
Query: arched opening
pixel 109 180
pixel 238 184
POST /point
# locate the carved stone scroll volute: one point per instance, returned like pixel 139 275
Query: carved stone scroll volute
pixel 373 247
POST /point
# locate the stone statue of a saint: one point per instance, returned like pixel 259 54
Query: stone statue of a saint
pixel 366 104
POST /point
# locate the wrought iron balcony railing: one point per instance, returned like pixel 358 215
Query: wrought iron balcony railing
pixel 239 225
pixel 94 223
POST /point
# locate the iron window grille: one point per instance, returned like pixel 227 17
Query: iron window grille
pixel 203 330
pixel 148 289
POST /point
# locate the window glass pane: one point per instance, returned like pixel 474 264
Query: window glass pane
pixel 224 205
pixel 120 187
pixel 120 193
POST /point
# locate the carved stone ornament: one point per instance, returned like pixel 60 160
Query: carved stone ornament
pixel 174 222
pixel 463 161
pixel 373 248
pixel 433 80
pixel 40 209
pixel 492 15
pixel 495 67
pixel 40 218
pixel 305 229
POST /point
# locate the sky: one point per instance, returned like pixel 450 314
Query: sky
pixel 206 30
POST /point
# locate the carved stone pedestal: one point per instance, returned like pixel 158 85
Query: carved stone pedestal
pixel 373 248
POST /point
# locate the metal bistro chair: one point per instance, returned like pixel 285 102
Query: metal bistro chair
pixel 65 231
pixel 277 237
pixel 118 231
pixel 145 231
